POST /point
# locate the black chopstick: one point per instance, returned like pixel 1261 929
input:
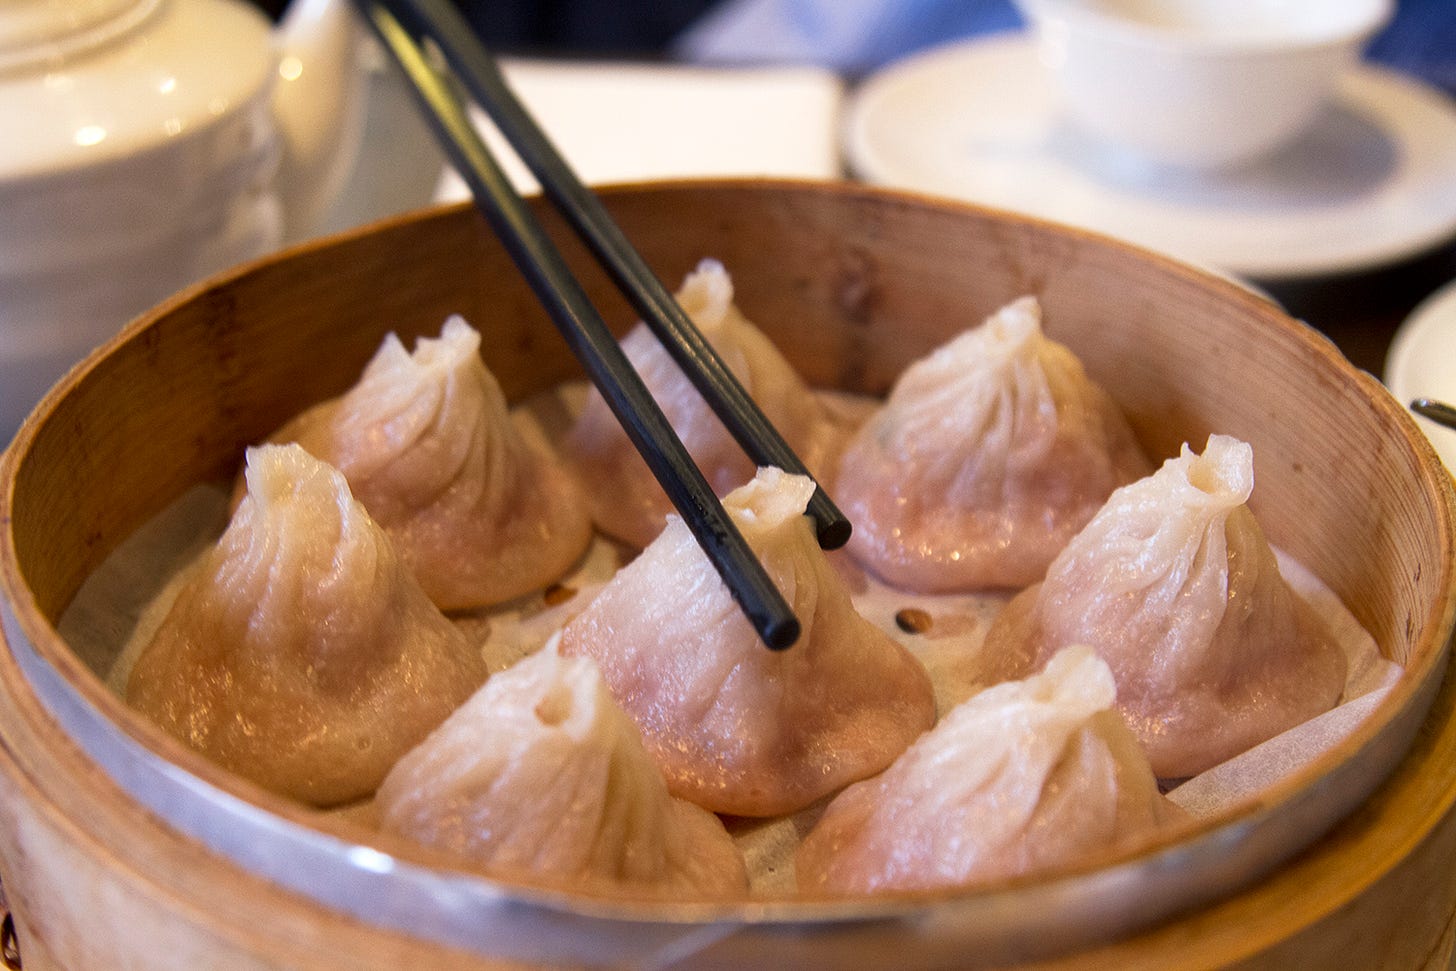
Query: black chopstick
pixel 439 21
pixel 589 339
pixel 1437 411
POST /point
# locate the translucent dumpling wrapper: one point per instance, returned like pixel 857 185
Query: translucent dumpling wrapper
pixel 541 775
pixel 478 506
pixel 1025 777
pixel 1176 586
pixel 735 727
pixel 627 502
pixel 301 653
pixel 986 458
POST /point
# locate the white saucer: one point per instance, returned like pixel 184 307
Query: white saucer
pixel 1373 183
pixel 1421 363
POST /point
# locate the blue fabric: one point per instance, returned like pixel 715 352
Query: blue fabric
pixel 850 36
pixel 1421 40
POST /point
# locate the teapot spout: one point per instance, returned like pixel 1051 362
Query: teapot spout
pixel 318 107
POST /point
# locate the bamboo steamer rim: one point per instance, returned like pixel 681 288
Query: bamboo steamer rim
pixel 74 683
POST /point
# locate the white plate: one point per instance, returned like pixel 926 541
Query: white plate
pixel 1372 183
pixel 1422 363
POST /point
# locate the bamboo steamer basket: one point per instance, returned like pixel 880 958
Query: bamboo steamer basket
pixel 119 848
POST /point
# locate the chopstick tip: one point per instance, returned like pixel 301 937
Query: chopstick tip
pixel 782 634
pixel 831 527
pixel 1437 411
pixel 833 533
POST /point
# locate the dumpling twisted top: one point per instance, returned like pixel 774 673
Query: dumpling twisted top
pixel 1175 584
pixel 988 455
pixel 301 653
pixel 481 511
pixel 541 774
pixel 1023 777
pixel 738 728
pixel 630 505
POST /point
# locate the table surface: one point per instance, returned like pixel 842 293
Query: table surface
pixel 1361 312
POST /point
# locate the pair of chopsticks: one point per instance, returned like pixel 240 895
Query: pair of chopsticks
pixel 402 26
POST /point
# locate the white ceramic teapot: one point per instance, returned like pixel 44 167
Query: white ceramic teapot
pixel 145 144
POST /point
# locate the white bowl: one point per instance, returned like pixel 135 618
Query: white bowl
pixel 1199 83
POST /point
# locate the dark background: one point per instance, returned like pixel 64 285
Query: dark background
pixel 612 28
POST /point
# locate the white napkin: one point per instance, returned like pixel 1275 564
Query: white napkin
pixel 629 122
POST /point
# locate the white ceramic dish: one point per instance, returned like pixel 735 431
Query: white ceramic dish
pixel 1422 363
pixel 1194 83
pixel 1368 185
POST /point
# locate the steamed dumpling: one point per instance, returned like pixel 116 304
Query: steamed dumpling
pixel 542 774
pixel 481 511
pixel 1175 584
pixel 1022 778
pixel 301 653
pixel 987 457
pixel 735 727
pixel 627 502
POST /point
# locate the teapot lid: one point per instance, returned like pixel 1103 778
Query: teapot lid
pixel 39 31
pixel 91 80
